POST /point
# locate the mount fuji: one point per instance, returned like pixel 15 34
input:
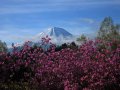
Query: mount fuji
pixel 55 32
pixel 57 35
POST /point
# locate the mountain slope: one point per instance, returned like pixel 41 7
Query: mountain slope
pixel 57 35
pixel 56 31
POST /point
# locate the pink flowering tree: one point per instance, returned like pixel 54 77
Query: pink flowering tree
pixel 92 66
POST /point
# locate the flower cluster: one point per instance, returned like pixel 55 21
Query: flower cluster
pixel 94 65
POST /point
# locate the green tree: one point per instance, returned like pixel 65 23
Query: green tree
pixel 82 38
pixel 3 46
pixel 108 30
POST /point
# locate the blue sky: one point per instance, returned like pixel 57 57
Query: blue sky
pixel 23 19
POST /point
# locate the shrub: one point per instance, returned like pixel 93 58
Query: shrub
pixel 95 65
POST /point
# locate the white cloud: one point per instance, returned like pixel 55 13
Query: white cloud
pixel 32 6
pixel 88 20
pixel 80 22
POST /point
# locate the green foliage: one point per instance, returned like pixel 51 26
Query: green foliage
pixel 71 45
pixel 3 46
pixel 82 38
pixel 15 86
pixel 108 30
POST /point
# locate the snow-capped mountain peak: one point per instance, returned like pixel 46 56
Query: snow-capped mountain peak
pixel 56 31
pixel 57 35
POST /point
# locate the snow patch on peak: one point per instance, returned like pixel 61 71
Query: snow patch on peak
pixel 56 31
pixel 57 35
